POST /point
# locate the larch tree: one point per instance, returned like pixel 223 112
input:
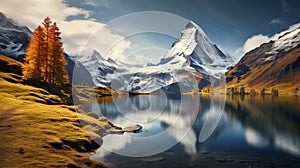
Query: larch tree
pixel 47 26
pixel 56 56
pixel 44 59
pixel 33 68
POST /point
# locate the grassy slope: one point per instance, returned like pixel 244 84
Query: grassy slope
pixel 34 134
pixel 258 78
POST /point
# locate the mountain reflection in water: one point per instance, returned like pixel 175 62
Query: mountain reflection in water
pixel 257 127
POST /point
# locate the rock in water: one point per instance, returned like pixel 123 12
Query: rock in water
pixel 134 128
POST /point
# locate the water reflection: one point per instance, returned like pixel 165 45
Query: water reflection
pixel 262 127
pixel 164 120
pixel 269 121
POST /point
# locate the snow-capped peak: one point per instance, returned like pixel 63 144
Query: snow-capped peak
pixel 185 45
pixel 88 55
pixel 193 49
pixel 192 52
pixel 200 32
pixel 9 24
pixel 287 41
pixel 13 38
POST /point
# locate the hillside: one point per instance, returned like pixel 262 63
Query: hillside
pixel 36 134
pixel 274 65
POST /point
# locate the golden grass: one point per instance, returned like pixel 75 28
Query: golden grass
pixel 35 134
pixel 259 76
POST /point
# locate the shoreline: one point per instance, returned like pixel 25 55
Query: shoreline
pixel 101 93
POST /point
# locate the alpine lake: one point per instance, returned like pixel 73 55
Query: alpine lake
pixel 202 131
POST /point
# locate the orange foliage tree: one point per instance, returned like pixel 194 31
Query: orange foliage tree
pixel 45 59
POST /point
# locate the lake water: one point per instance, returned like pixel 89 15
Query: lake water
pixel 202 131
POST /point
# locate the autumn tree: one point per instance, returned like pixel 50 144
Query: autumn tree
pixel 47 25
pixel 33 68
pixel 57 63
pixel 44 59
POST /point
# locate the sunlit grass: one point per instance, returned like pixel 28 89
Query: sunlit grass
pixel 36 134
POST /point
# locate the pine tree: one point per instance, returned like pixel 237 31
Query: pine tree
pixel 44 59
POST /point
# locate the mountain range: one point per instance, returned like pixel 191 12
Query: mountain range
pixel 273 65
pixel 192 54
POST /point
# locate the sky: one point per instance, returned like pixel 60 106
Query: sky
pixel 236 26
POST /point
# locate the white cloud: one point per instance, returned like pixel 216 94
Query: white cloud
pixel 96 3
pixel 146 55
pixel 32 12
pixel 276 21
pixel 108 44
pixel 75 33
pixel 238 53
pixel 256 40
pixel 90 34
pixel 117 50
pixel 141 59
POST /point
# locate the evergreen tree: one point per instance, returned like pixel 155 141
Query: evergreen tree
pixel 44 59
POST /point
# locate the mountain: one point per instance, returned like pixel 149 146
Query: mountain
pixel 193 49
pixel 192 53
pixel 14 39
pixel 102 70
pixel 273 65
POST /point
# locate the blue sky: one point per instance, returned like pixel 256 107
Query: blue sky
pixel 236 26
pixel 228 23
